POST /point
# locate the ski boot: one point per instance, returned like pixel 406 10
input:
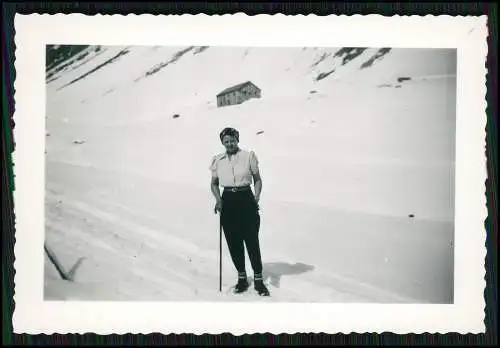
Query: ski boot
pixel 259 285
pixel 242 284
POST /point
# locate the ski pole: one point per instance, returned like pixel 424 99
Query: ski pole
pixel 220 256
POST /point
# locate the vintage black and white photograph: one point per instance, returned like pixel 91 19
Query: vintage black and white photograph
pixel 187 172
pixel 331 171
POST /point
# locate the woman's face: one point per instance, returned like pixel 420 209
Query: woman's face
pixel 230 143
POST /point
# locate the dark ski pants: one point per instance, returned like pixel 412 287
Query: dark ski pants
pixel 240 221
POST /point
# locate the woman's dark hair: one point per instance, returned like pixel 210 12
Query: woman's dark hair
pixel 229 131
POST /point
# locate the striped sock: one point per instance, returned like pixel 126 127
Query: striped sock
pixel 242 275
pixel 257 276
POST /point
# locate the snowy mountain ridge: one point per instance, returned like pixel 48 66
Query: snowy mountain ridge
pixel 60 62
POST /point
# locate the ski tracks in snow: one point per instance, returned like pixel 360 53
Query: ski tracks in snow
pixel 128 260
pixel 132 253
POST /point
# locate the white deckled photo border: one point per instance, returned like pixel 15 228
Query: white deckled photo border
pixel 33 315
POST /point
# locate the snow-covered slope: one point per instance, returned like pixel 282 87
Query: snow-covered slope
pixel 347 153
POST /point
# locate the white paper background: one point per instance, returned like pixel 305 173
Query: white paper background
pixel 467 34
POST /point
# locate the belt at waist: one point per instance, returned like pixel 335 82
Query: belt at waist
pixel 236 188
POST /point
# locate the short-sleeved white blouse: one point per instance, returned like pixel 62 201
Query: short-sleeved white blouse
pixel 235 170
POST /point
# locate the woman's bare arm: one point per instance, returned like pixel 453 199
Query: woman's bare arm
pixel 214 186
pixel 257 179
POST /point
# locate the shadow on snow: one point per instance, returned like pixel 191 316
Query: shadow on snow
pixel 273 271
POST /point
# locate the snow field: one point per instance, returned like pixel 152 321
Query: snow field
pixel 342 170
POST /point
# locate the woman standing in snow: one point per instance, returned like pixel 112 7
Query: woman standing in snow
pixel 234 170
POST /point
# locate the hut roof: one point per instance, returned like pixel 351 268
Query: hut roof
pixel 235 88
